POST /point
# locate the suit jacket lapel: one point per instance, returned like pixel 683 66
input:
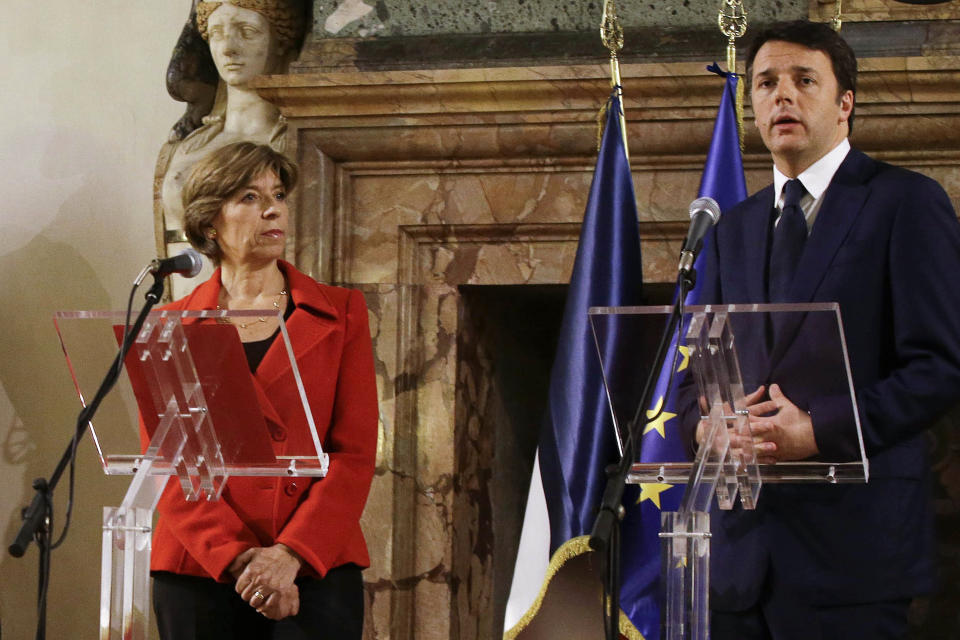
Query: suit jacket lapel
pixel 754 223
pixel 758 222
pixel 842 203
pixel 312 320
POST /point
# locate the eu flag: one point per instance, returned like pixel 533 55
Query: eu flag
pixel 640 595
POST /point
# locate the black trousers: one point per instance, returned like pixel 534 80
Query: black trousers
pixel 192 608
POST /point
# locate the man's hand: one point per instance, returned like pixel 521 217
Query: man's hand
pixel 265 580
pixel 749 399
pixel 781 431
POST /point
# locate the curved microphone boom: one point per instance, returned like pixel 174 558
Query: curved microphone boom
pixel 704 213
pixel 187 263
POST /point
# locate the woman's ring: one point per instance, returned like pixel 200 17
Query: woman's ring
pixel 257 594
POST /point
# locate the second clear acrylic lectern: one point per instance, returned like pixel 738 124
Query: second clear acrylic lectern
pixel 185 406
pixel 703 441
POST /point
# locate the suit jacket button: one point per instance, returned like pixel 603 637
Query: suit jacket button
pixel 290 489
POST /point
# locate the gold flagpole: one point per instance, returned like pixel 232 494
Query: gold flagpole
pixel 611 33
pixel 732 20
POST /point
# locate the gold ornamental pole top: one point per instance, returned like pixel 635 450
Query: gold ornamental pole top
pixel 837 22
pixel 611 33
pixel 732 20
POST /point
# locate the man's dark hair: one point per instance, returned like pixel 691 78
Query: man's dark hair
pixel 819 37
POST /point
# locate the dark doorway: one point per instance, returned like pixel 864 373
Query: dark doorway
pixel 506 342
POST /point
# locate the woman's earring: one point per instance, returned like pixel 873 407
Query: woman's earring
pixel 212 234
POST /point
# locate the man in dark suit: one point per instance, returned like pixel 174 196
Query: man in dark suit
pixel 841 561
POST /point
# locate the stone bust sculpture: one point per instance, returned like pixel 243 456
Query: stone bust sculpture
pixel 247 38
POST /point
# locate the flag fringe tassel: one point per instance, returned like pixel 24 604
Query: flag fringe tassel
pixel 568 551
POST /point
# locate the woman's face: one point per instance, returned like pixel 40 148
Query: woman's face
pixel 252 224
pixel 242 44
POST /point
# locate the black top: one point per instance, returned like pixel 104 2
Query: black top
pixel 257 349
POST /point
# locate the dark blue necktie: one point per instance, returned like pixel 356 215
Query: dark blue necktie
pixel 789 236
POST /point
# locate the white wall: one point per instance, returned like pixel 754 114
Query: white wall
pixel 83 112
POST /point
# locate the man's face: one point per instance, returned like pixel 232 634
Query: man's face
pixel 796 104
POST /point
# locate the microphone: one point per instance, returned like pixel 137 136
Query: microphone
pixel 187 263
pixel 704 213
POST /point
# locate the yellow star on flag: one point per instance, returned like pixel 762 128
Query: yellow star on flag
pixel 658 423
pixel 685 352
pixel 651 491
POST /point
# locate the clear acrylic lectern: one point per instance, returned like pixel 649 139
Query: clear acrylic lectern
pixel 185 406
pixel 722 354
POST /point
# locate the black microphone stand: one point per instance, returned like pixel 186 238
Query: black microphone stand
pixel 38 517
pixel 605 536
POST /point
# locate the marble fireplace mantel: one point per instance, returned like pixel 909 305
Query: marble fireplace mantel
pixel 415 182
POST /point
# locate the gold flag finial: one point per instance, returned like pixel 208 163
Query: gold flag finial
pixel 837 22
pixel 611 33
pixel 732 20
pixel 610 30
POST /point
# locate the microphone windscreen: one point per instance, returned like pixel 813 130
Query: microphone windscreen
pixel 707 205
pixel 193 262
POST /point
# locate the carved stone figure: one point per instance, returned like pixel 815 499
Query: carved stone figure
pixel 191 77
pixel 246 38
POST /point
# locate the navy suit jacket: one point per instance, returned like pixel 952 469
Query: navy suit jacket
pixel 886 246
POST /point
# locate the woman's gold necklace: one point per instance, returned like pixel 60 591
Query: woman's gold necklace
pixel 244 325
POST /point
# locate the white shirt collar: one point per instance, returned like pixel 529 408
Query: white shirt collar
pixel 816 178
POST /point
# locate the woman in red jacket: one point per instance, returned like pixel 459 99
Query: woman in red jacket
pixel 274 557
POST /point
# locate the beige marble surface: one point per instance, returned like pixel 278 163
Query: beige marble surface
pixel 881 10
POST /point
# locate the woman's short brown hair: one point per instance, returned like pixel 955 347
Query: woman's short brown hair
pixel 220 175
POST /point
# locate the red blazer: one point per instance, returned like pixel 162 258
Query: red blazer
pixel 317 518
